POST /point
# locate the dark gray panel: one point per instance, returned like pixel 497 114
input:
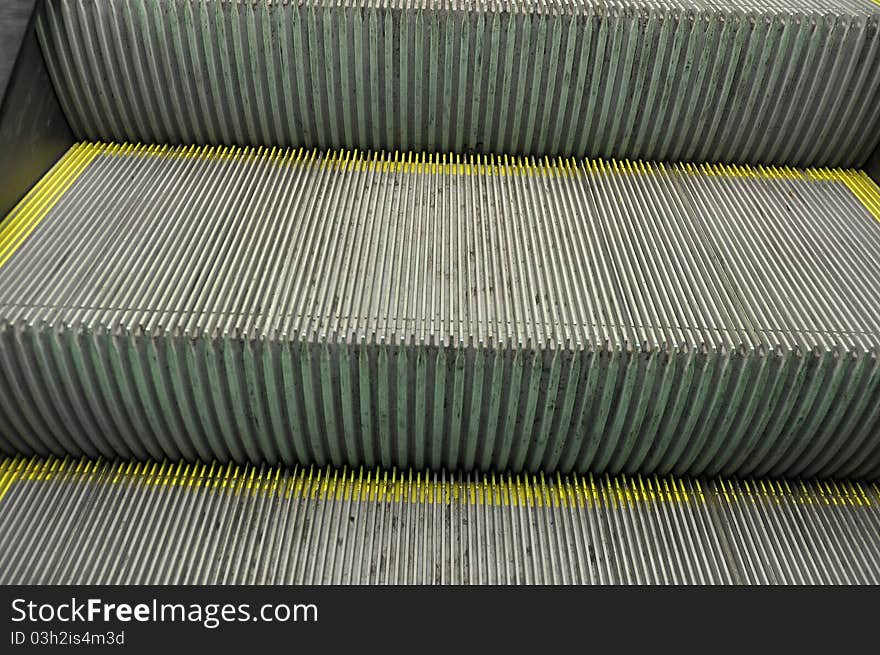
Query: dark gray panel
pixel 33 130
pixel 872 166
pixel 15 17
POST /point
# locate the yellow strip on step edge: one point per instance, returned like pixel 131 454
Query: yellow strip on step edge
pixel 858 182
pixel 39 201
pixel 475 164
pixel 34 207
pixel 865 189
pixel 422 487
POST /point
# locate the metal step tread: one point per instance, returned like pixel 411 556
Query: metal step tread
pixel 82 522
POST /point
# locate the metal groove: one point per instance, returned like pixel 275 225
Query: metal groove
pixel 684 81
pixel 83 522
pixel 432 312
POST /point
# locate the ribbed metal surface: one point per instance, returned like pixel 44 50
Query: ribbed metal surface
pixel 794 82
pixel 563 315
pixel 78 523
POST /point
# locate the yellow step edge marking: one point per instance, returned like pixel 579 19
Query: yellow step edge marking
pixel 377 486
pixel 34 207
pixel 442 163
pixel 21 213
pixel 10 469
pixel 865 189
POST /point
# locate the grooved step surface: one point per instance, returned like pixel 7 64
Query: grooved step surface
pixel 271 306
pixel 86 523
pixel 772 82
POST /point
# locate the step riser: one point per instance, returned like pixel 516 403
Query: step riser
pixel 640 81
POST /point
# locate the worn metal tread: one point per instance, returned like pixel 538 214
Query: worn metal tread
pixel 282 306
pixel 791 82
pixel 69 522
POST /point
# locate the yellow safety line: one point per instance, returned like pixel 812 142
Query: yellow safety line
pixel 380 486
pixel 858 182
pixel 34 207
pixel 9 471
pixel 427 163
pixel 865 190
